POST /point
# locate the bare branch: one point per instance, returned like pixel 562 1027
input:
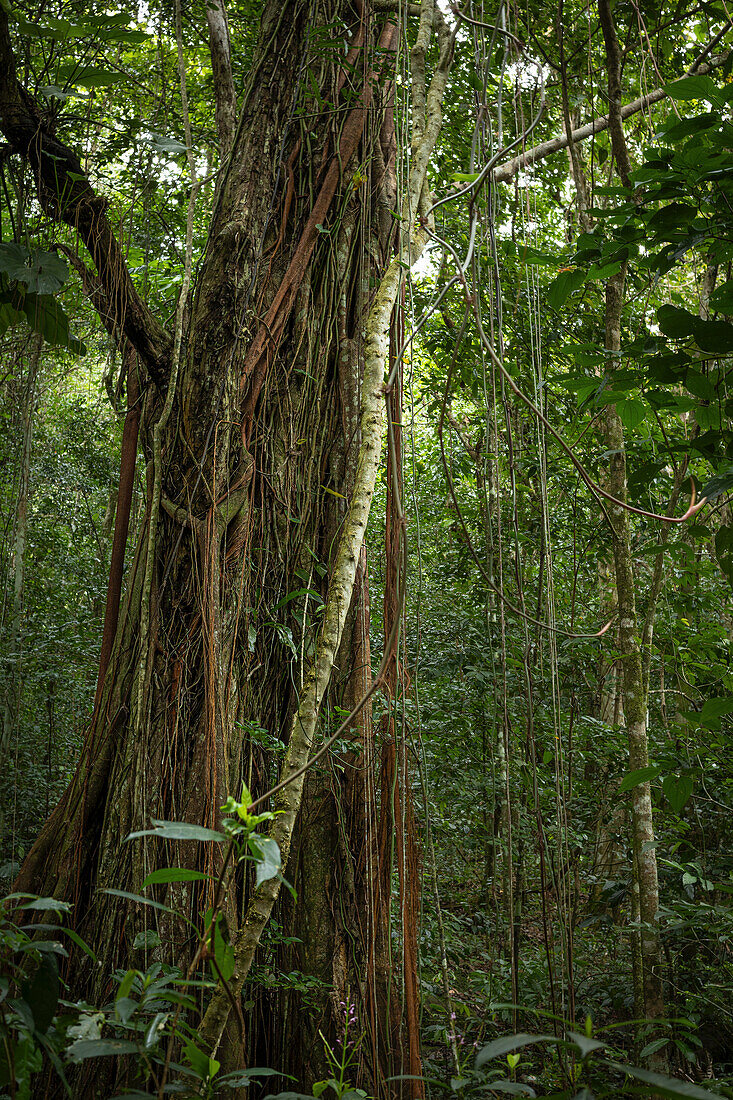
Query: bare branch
pixel 221 67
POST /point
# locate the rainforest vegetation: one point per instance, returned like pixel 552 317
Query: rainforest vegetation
pixel 366 547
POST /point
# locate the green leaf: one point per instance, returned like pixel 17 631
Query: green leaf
pixel 714 336
pixel 146 940
pixel 8 317
pixel 82 944
pixel 203 1066
pixel 125 1008
pixel 653 1047
pixel 586 1044
pixel 155 1030
pixel 92 77
pixel 41 993
pixel 639 775
pixel 164 144
pixel 722 298
pixel 127 896
pixel 632 411
pixel 45 905
pixel 508 1043
pixel 693 87
pixel 563 285
pixel 718 484
pixel 174 874
pixel 677 790
pixel 223 952
pixel 46 316
pixel 100 1048
pixel 673 216
pixel 179 830
pixel 667 1086
pixel 676 322
pixel 267 854
pixel 715 708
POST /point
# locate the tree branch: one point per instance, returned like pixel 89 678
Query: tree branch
pixel 221 67
pixel 546 148
pixel 67 196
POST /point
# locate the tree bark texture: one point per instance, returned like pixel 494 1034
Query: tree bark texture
pixel 14 657
pixel 259 461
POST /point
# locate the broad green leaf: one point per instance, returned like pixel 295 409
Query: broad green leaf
pixel 507 1044
pixel 8 317
pixel 174 874
pixel 715 708
pixel 164 144
pixel 676 130
pixel 223 952
pixel 718 484
pixel 586 1044
pixel 53 91
pixel 707 417
pixel 667 1086
pixel 147 940
pixel 91 77
pixel 41 992
pixel 672 216
pixel 693 87
pixel 267 854
pixel 179 830
pixel 203 1066
pixel 714 336
pixel 100 1048
pixel 45 905
pixel 45 274
pixel 46 316
pixel 563 285
pixel 676 322
pixel 677 790
pixel 125 1008
pixel 639 775
pixel 632 412
pixel 722 298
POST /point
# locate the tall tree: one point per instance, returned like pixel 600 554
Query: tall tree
pixel 260 424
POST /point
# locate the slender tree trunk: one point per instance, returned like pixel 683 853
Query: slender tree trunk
pixel 14 658
pixel 634 689
pixel 635 686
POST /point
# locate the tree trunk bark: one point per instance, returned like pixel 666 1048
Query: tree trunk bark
pixel 633 685
pixel 14 657
pixel 221 647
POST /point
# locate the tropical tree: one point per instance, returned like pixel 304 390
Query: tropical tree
pixel 259 417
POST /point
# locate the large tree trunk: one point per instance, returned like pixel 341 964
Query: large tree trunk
pixel 257 467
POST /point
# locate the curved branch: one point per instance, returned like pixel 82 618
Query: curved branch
pixel 67 196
